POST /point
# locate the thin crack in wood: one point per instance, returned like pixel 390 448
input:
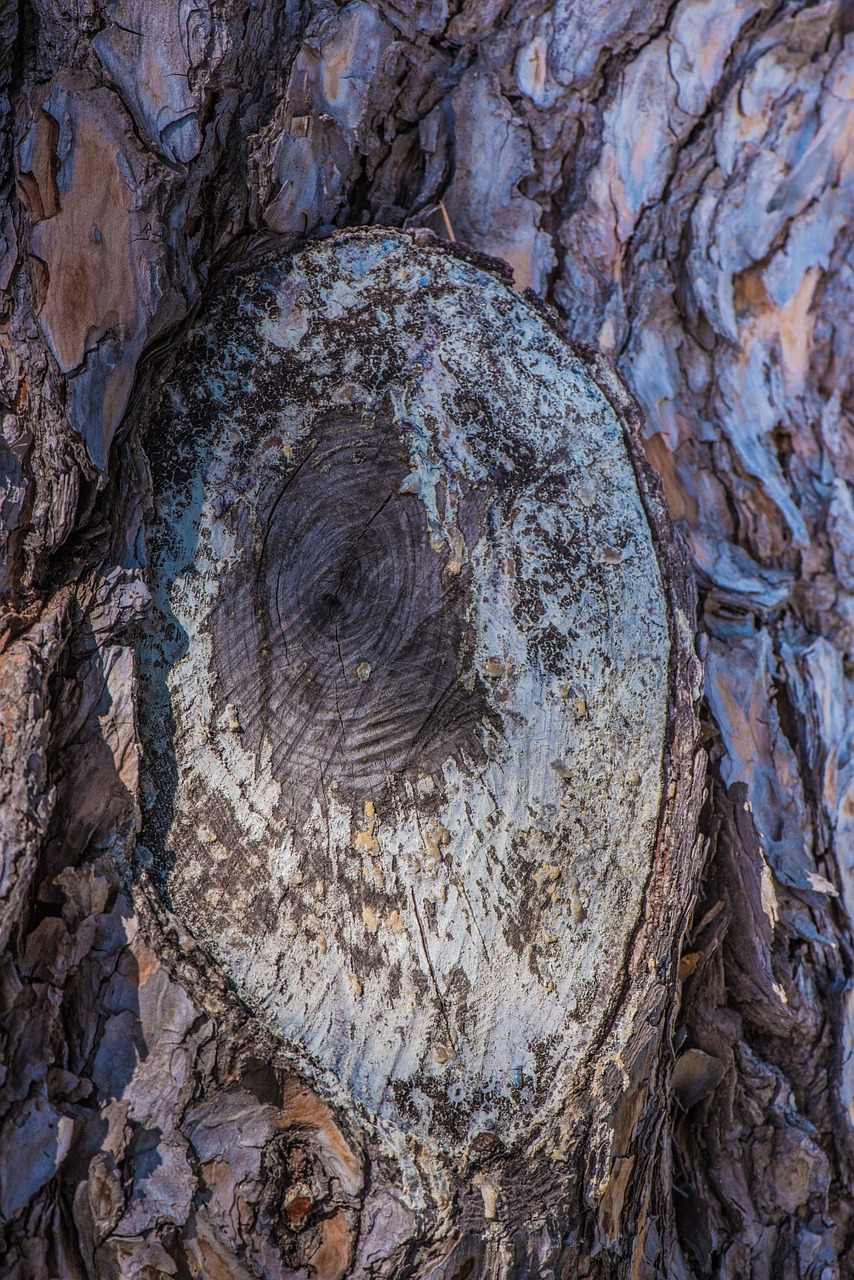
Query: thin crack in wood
pixel 381 611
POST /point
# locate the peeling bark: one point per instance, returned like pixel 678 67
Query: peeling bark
pixel 676 182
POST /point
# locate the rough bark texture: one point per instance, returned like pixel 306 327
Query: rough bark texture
pixel 676 180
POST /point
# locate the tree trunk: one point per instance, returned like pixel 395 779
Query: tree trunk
pixel 672 183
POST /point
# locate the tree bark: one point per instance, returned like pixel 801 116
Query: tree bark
pixel 675 182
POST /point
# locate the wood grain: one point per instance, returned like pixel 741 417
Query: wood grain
pixel 405 700
pixel 343 640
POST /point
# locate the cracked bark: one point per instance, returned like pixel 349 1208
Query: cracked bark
pixel 675 181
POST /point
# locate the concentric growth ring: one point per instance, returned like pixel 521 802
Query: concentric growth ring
pixel 341 634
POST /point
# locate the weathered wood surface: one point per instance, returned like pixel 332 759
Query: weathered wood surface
pixel 677 180
pixel 408 705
